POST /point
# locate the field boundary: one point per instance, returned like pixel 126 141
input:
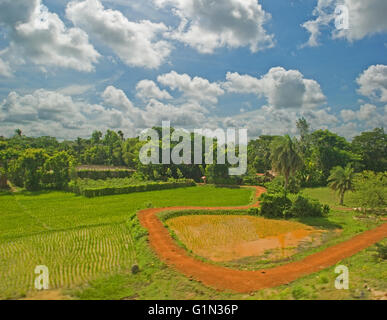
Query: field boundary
pixel 227 279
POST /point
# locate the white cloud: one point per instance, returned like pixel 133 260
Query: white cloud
pixel 282 88
pixel 51 113
pixel 373 83
pixel 5 69
pixel 196 88
pixel 136 43
pixel 147 89
pixel 365 18
pixel 207 25
pixel 41 36
pixel 368 114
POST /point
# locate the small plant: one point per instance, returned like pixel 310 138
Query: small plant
pixel 300 293
pixel 381 251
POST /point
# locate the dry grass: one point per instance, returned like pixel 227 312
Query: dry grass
pixel 226 238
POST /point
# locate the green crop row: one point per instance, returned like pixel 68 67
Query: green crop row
pixel 104 190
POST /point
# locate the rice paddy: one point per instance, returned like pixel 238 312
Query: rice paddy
pixel 80 239
pixel 226 238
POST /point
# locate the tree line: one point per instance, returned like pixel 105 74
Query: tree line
pixel 306 160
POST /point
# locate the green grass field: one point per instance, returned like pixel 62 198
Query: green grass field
pixel 90 247
pixel 78 238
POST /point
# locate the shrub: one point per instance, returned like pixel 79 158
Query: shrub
pixel 104 174
pixel 304 207
pixel 274 205
pixel 277 185
pixel 277 205
pixel 381 251
pixel 93 190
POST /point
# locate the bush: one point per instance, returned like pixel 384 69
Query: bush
pixel 104 189
pixel 304 207
pixel 381 251
pixel 277 185
pixel 277 205
pixel 104 174
pixel 274 205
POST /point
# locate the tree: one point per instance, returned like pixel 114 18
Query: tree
pixel 31 164
pixel 285 158
pixel 18 132
pixel 371 190
pixel 121 134
pixel 372 147
pixel 330 150
pixel 341 180
pixel 96 137
pixel 57 170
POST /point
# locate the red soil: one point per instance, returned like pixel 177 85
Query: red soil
pixel 222 278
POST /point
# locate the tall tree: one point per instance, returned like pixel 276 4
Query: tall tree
pixel 372 147
pixel 342 180
pixel 285 158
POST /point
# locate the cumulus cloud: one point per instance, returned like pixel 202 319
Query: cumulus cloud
pixel 373 83
pixel 5 69
pixel 41 37
pixel 147 89
pixel 196 88
pixel 46 112
pixel 365 18
pixel 207 25
pixel 368 114
pixel 282 88
pixel 135 43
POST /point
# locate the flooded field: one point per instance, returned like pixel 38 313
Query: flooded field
pixel 225 238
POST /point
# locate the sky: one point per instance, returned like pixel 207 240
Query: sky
pixel 68 68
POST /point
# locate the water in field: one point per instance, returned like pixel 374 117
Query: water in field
pixel 224 238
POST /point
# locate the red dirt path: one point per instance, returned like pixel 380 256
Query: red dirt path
pixel 222 278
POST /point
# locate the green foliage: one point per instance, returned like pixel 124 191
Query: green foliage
pixel 3 178
pixel 104 174
pixel 342 180
pixel 371 190
pixel 97 188
pixel 372 147
pixel 277 185
pixel 57 171
pixel 285 158
pixel 381 251
pixel 274 205
pixel 304 207
pixel 31 165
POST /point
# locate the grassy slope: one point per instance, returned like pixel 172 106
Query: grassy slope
pixel 78 238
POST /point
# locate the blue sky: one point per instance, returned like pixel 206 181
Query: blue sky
pixel 70 67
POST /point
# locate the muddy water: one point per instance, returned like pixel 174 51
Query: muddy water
pixel 273 247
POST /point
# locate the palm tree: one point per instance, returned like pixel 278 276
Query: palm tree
pixel 285 158
pixel 341 180
pixel 18 132
pixel 121 134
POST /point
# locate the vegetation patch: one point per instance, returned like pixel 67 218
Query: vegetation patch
pixel 96 188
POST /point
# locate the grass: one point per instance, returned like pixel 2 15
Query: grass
pixel 329 197
pixel 63 229
pixel 81 239
pixel 367 271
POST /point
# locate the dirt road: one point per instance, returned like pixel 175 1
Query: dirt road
pixel 222 278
